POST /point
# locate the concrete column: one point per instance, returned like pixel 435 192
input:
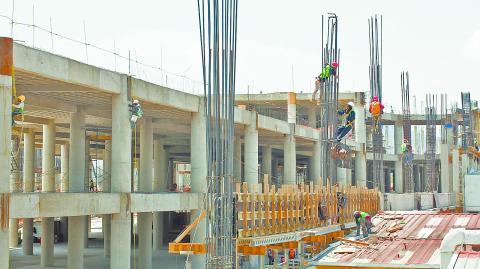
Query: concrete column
pixel 145 219
pixel 237 161
pixel 107 187
pixel 160 174
pixel 316 162
pixel 121 179
pixel 15 185
pixel 64 162
pixel 267 162
pixel 342 176
pixel 289 160
pixel 76 183
pixel 360 128
pixel 444 168
pixel 64 167
pixel 455 171
pixel 398 138
pixel 251 153
pixel 48 185
pixel 464 170
pixel 292 107
pixel 312 117
pixel 361 167
pixel 6 64
pixel 28 186
pixel 275 171
pixel 399 176
pixel 198 176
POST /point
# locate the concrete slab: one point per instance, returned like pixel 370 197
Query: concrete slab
pixel 94 258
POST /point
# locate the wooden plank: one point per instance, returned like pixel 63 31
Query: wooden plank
pixel 190 227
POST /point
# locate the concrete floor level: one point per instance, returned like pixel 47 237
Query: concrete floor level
pixel 94 258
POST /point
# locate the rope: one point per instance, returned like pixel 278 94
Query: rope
pixel 135 166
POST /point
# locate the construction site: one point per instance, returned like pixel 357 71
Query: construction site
pixel 100 168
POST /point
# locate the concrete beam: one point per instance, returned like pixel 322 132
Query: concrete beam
pixel 66 70
pixel 40 205
pixel 157 94
pixel 164 202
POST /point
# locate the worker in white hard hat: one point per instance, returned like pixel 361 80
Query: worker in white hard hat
pixel 136 111
pixel 349 118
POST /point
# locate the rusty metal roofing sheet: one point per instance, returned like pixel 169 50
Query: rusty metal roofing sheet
pixel 404 238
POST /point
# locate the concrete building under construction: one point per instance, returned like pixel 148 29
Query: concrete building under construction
pixel 101 169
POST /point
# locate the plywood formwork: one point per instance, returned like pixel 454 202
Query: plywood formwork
pixel 298 208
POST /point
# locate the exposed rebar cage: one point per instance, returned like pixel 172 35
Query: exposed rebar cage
pixel 375 27
pixel 329 98
pixel 218 39
pixel 407 158
pixel 431 175
pixel 467 137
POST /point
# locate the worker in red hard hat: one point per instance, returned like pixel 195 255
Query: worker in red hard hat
pixel 364 221
pixel 334 68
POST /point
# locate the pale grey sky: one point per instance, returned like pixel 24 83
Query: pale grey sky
pixel 437 41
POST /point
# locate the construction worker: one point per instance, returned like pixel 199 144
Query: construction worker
pixel 334 68
pixel 18 107
pixel 376 109
pixel 406 147
pixel 349 115
pixel 270 256
pixel 363 220
pixel 136 111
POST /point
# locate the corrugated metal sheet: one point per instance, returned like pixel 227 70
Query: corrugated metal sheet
pixel 466 260
pixel 417 241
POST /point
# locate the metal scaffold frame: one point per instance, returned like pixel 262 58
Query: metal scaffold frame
pixel 375 72
pixel 218 39
pixel 407 156
pixel 431 175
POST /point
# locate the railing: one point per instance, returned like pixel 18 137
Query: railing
pixel 295 208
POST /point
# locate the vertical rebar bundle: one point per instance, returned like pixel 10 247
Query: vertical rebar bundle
pixel 467 138
pixel 445 118
pixel 329 97
pixel 431 175
pixel 375 28
pixel 407 159
pixel 218 40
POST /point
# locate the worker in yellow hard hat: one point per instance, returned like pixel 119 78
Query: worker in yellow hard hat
pixel 18 107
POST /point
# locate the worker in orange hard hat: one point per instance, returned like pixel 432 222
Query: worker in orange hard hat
pixel 18 107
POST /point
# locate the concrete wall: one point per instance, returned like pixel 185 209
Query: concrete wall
pixel 400 201
pixel 472 198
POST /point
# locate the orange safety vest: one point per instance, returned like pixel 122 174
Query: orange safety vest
pixel 376 108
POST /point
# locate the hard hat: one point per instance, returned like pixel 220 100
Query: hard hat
pixel 21 98
pixel 334 64
pixel 375 98
pixel 135 101
pixel 351 104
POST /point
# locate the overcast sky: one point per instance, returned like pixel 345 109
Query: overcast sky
pixel 437 41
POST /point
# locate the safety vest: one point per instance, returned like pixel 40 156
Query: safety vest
pixel 376 109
